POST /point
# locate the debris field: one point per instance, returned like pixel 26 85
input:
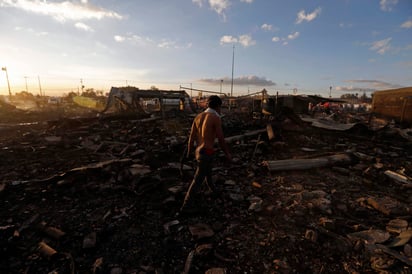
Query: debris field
pixel 100 194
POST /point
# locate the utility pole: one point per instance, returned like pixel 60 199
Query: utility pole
pixel 25 79
pixel 7 77
pixel 330 92
pixel 38 78
pixel 81 84
pixel 221 82
pixel 233 66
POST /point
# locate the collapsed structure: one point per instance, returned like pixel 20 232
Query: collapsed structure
pixel 91 195
pixel 136 100
pixel 259 105
pixel 394 103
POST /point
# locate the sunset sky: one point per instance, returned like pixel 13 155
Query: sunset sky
pixel 353 46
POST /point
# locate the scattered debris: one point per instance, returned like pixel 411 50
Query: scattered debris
pixel 101 193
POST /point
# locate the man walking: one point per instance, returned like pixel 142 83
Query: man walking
pixel 206 127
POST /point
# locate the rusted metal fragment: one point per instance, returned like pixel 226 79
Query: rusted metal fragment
pixel 45 250
pixel 51 231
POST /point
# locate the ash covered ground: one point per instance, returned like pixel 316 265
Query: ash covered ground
pixel 88 193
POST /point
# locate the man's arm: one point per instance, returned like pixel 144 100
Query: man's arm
pixel 192 138
pixel 221 139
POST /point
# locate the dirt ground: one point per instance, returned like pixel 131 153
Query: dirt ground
pixel 88 193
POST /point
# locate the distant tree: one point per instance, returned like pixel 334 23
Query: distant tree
pixel 99 92
pixel 364 97
pixel 71 94
pixel 24 94
pixel 349 96
pixel 154 88
pixel 89 93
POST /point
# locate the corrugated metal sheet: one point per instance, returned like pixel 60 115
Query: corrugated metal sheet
pixel 394 103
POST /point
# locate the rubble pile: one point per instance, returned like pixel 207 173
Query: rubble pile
pixel 101 195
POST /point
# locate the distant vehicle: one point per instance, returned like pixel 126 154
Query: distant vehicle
pixel 54 100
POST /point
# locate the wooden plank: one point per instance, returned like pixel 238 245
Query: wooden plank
pixel 302 164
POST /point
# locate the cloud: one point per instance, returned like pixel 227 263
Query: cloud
pixel 198 2
pixel 367 85
pixel 293 36
pixel 381 46
pixel 386 5
pixel 32 31
pixel 362 81
pixel 250 80
pixel 253 80
pixel 247 1
pixel 119 38
pixel 345 25
pixel 133 39
pixel 219 6
pixel 228 39
pixel 286 40
pixel 137 40
pixel 302 16
pixel 167 44
pixel 245 40
pixel 407 24
pixel 266 27
pixel 354 89
pixel 83 26
pixel 62 11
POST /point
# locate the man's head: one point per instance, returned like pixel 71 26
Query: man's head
pixel 214 102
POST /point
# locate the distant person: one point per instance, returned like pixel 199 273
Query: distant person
pixel 206 127
pixel 326 106
pixel 310 108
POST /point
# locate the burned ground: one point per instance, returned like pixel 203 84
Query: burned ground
pixel 99 194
